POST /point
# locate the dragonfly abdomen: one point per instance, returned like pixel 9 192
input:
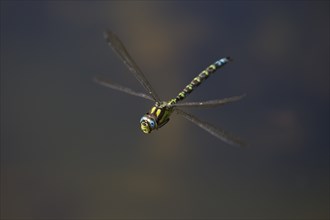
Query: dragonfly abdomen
pixel 199 79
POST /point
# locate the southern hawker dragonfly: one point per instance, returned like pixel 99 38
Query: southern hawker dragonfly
pixel 161 111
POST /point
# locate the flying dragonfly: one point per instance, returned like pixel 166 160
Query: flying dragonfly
pixel 160 112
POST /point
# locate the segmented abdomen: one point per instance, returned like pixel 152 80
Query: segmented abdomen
pixel 199 79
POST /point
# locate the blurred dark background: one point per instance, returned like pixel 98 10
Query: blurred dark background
pixel 71 148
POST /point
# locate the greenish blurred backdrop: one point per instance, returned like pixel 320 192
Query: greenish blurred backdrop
pixel 71 148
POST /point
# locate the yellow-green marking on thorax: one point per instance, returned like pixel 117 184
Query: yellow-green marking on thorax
pixel 157 117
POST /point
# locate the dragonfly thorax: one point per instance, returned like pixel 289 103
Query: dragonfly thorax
pixel 157 117
pixel 162 104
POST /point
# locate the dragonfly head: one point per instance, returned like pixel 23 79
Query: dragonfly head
pixel 148 123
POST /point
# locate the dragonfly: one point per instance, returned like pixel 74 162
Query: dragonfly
pixel 160 112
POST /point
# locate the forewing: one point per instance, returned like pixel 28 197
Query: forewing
pixel 121 51
pixel 211 103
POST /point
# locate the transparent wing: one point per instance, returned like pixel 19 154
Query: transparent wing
pixel 114 86
pixel 217 132
pixel 211 103
pixel 121 51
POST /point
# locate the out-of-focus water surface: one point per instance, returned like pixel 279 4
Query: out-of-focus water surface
pixel 73 149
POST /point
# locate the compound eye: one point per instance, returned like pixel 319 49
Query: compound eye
pixel 152 123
